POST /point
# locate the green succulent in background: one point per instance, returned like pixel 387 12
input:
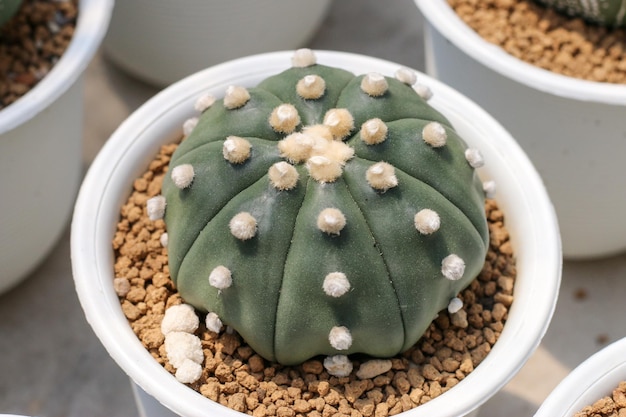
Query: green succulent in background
pixel 610 13
pixel 7 9
pixel 323 213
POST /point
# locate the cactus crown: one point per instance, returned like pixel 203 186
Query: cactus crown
pixel 324 213
pixel 602 12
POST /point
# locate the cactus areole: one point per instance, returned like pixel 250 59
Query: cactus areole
pixel 610 13
pixel 323 213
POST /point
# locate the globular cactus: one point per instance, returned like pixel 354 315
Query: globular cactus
pixel 7 9
pixel 603 12
pixel 323 213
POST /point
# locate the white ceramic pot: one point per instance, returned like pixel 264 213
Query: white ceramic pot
pixel 162 41
pixel 592 380
pixel 41 152
pixel 530 219
pixel 573 130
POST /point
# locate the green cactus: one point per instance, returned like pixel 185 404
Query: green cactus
pixel 322 213
pixel 7 9
pixel 602 12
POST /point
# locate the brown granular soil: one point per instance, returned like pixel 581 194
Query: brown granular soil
pixel 613 405
pixel 32 42
pixel 235 376
pixel 548 39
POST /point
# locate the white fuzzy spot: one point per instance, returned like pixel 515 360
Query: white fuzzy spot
pixel 434 134
pixel 213 323
pixel 181 346
pixel 338 365
pixel 374 84
pixel 236 150
pixel 474 158
pixel 182 175
pixel 381 176
pixel 236 97
pixel 303 58
pixel 331 221
pixel 340 122
pixel 190 125
pixel 243 226
pixel 406 75
pixel 220 278
pixel 423 91
pixel 180 318
pixel 284 118
pixel 311 87
pixel 204 102
pixel 340 338
pixel 336 284
pixel 374 131
pixel 455 305
pixel 283 176
pixel 156 207
pixel 453 267
pixel 427 221
pixel 489 187
pixel 188 372
pixel 323 169
pixel 164 239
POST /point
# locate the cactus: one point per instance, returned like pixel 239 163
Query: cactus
pixel 602 12
pixel 323 213
pixel 7 9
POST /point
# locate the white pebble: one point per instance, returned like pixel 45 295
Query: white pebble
pixel 164 239
pixel 180 318
pixel 489 187
pixel 121 286
pixel 188 372
pixel 455 305
pixel 213 322
pixel 156 207
pixel 180 346
pixel 338 365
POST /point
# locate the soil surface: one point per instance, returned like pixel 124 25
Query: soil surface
pixel 613 405
pixel 548 39
pixel 31 43
pixel 235 376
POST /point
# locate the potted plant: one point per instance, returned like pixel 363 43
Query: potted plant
pixel 40 152
pixel 161 42
pixel 534 230
pixel 590 385
pixel 553 117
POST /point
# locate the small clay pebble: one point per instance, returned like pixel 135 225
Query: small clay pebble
pixel 235 376
pixel 547 39
pixel 613 405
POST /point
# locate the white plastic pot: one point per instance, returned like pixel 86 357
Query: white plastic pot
pixel 41 152
pixel 162 41
pixel 529 215
pixel 573 130
pixel 592 380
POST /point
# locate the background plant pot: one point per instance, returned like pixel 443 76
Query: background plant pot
pixel 161 41
pixel 573 130
pixel 590 381
pixel 530 218
pixel 41 152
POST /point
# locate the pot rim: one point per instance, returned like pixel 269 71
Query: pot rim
pixel 109 181
pixel 445 20
pixel 91 25
pixel 591 380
